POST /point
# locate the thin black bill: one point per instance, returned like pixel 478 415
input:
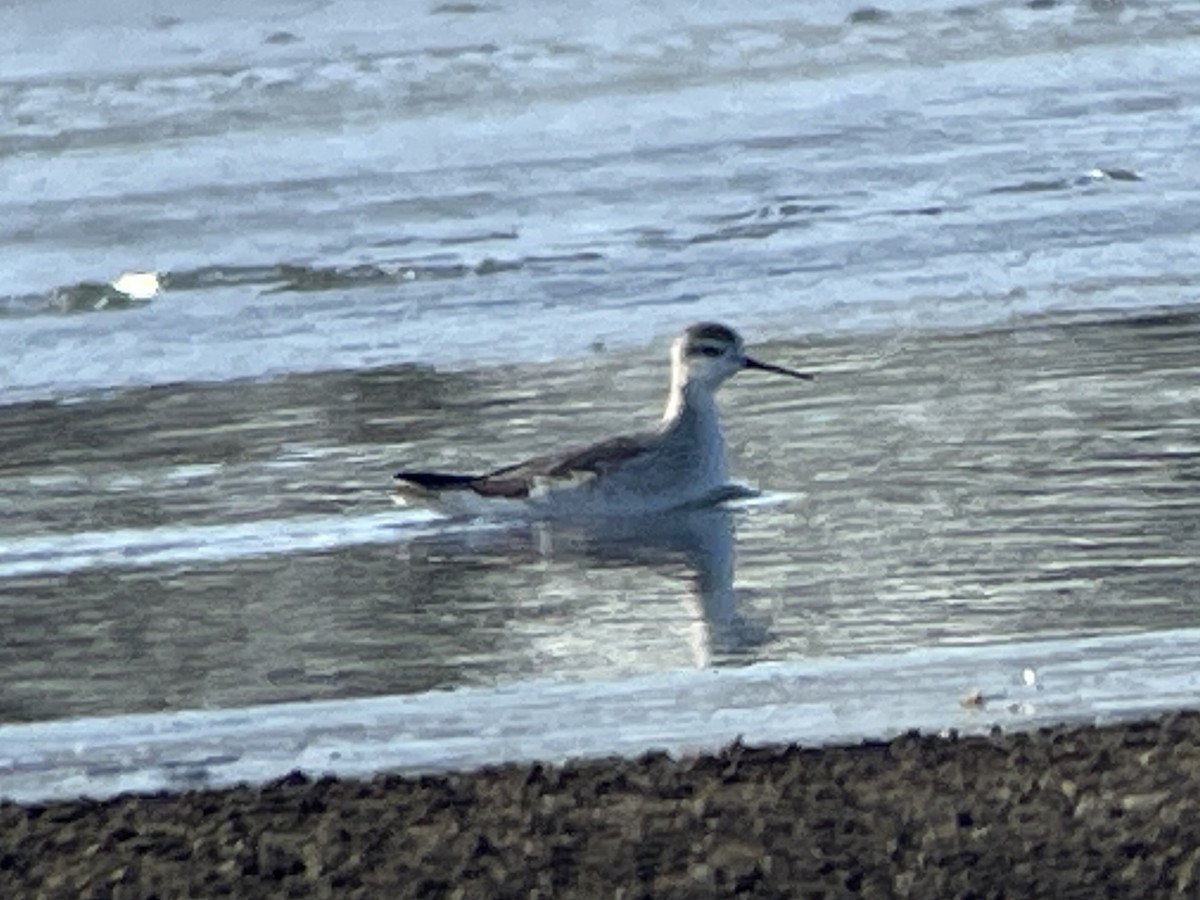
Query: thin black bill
pixel 750 363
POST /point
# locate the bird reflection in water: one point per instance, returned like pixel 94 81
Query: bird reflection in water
pixel 700 542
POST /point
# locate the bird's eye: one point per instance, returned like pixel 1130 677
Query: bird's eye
pixel 711 351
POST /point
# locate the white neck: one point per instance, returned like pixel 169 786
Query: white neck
pixel 691 420
pixel 675 394
pixel 689 397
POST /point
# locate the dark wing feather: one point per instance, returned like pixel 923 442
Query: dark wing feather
pixel 518 481
pixel 436 481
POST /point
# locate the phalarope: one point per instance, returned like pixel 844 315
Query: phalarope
pixel 678 464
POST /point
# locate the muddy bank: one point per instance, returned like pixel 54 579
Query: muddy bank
pixel 1063 812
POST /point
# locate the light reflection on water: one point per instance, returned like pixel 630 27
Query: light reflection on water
pixel 926 489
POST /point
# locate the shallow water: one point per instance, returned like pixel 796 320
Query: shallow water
pixel 925 490
pixel 457 237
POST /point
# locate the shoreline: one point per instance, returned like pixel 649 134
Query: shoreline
pixel 1063 811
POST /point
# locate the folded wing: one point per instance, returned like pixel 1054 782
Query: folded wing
pixel 535 475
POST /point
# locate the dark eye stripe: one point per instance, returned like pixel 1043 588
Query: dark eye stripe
pixel 704 350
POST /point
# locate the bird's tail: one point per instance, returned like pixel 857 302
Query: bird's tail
pixel 433 482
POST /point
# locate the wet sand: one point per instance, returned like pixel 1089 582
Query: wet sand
pixel 1063 812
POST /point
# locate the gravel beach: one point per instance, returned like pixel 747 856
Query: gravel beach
pixel 1075 811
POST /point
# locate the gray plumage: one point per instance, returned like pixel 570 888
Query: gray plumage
pixel 678 463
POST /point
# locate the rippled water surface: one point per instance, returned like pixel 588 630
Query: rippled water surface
pixel 458 234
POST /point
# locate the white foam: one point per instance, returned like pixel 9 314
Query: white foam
pixel 970 689
pixel 174 544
